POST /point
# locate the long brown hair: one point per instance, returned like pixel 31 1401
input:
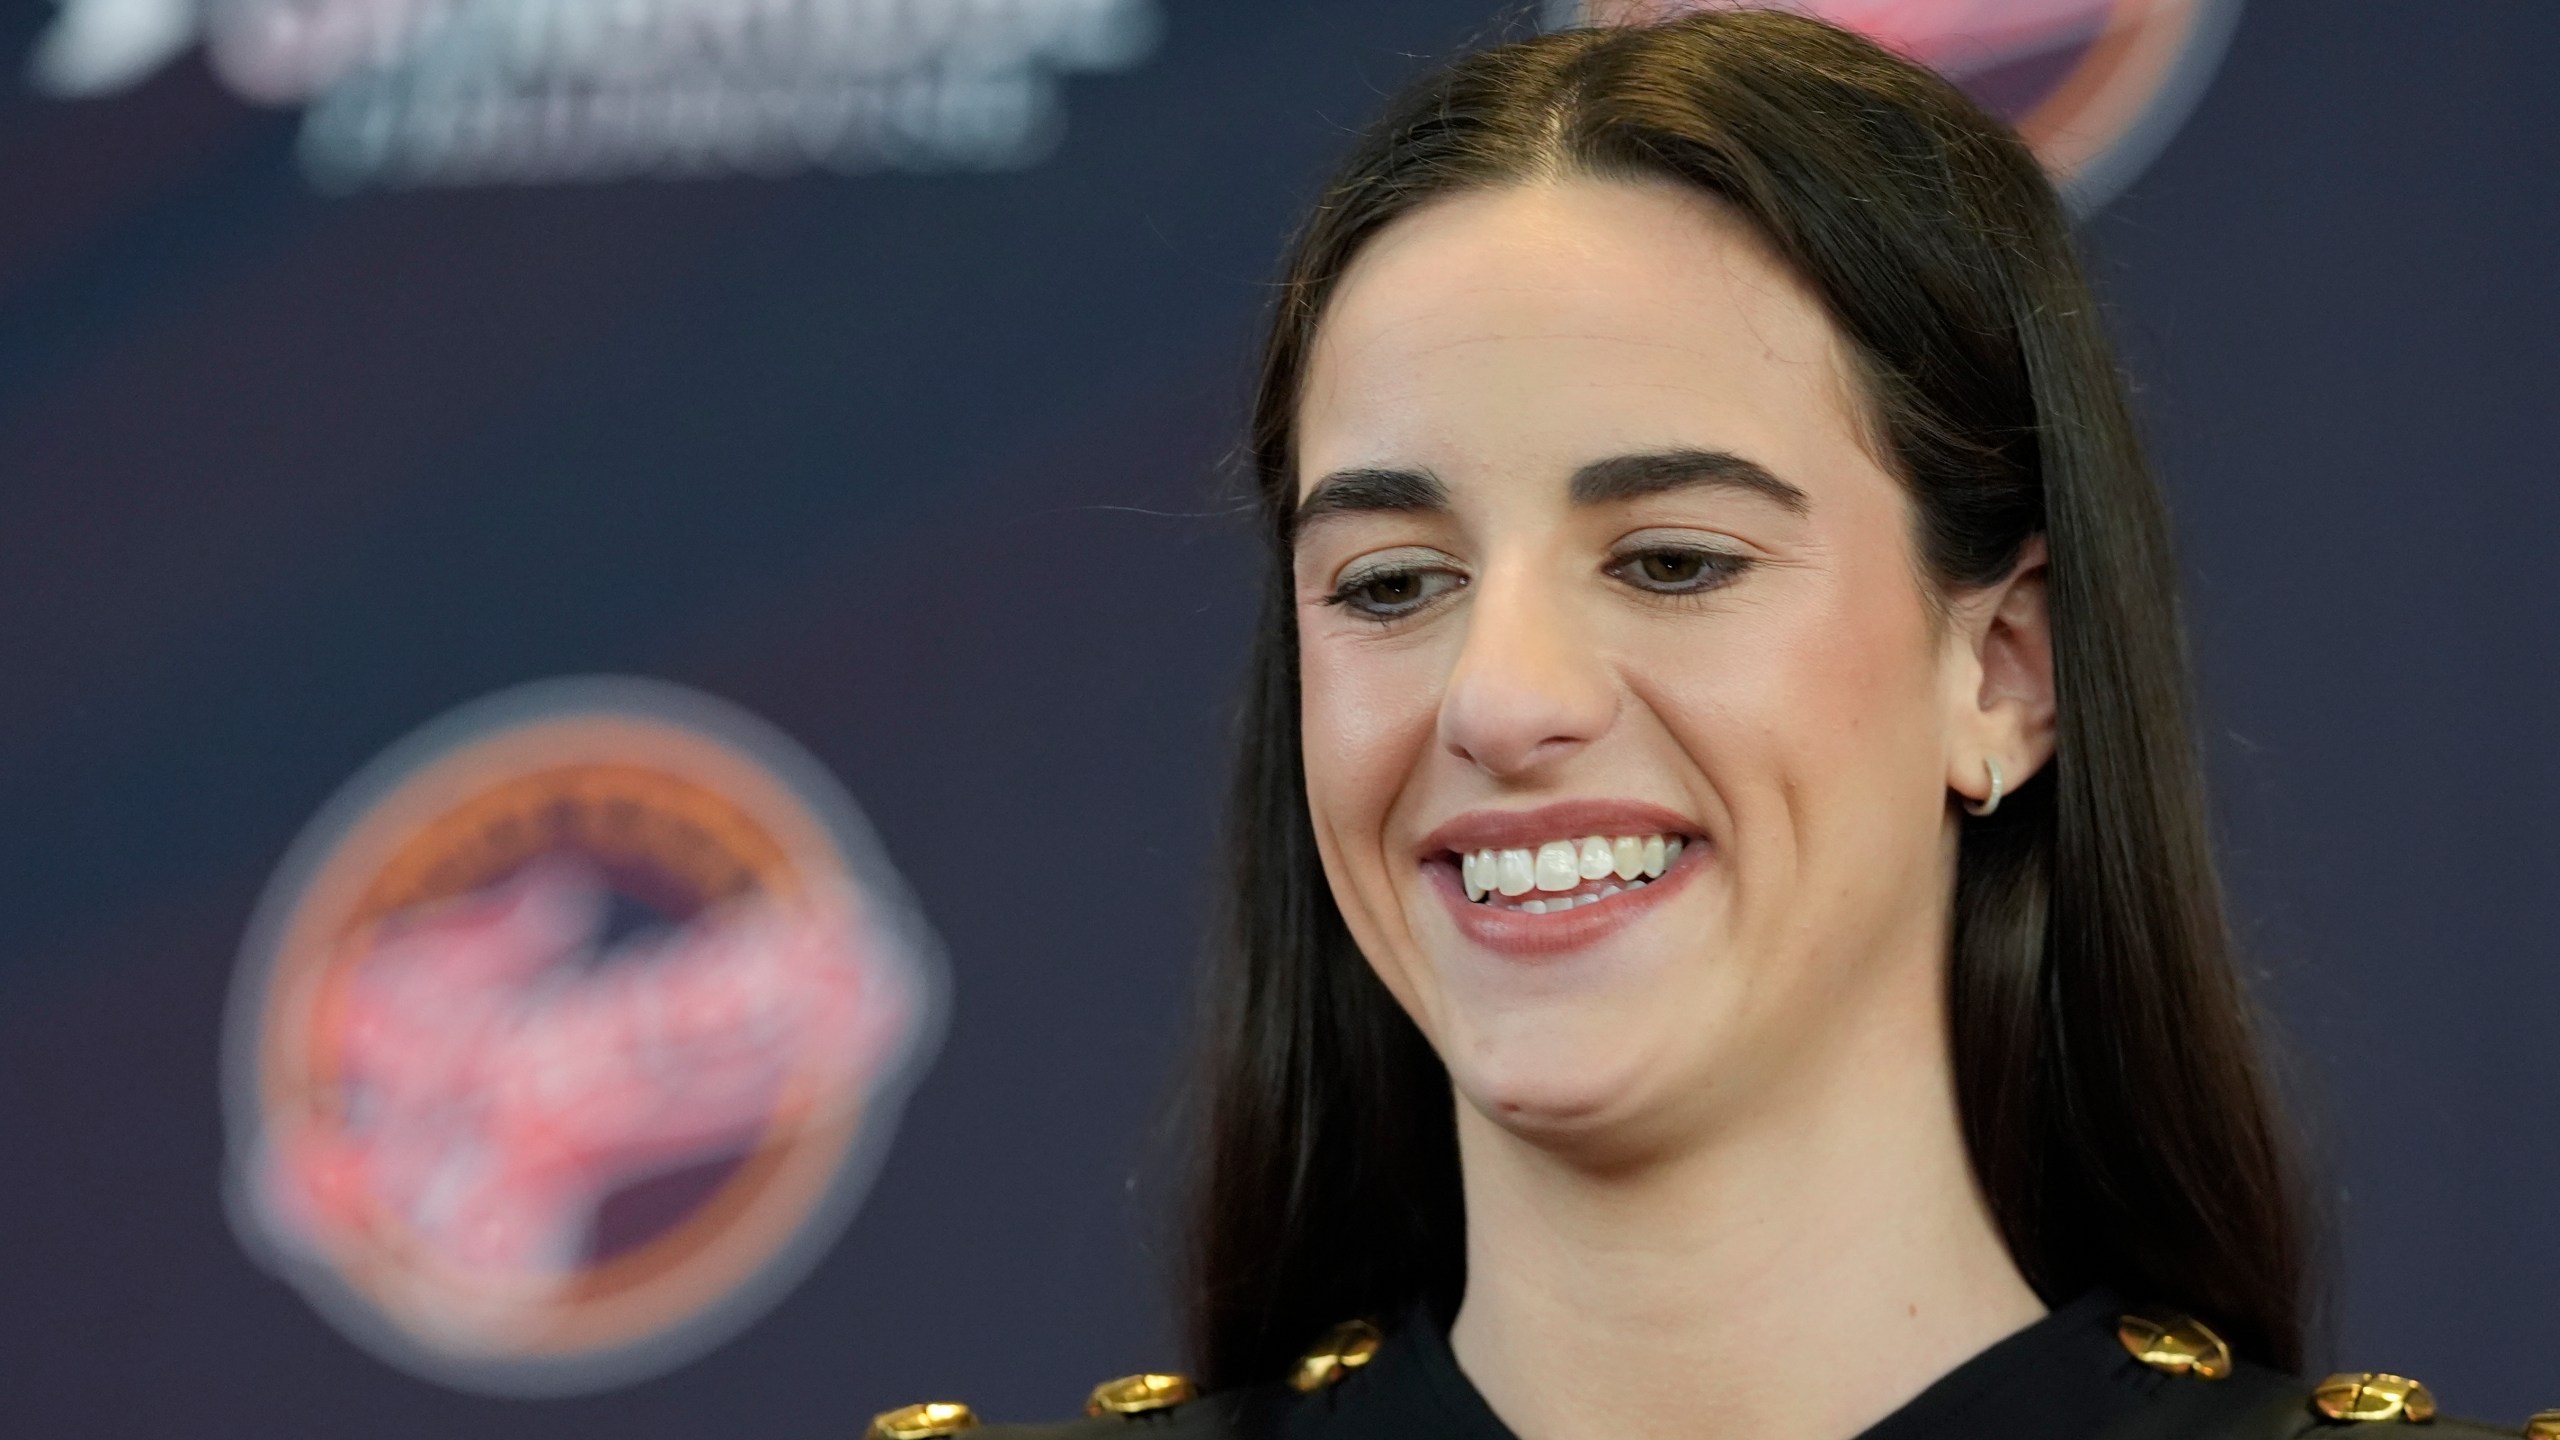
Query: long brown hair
pixel 2118 1115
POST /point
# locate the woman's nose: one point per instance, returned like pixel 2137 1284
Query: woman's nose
pixel 1527 691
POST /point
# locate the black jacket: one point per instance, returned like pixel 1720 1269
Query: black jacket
pixel 2087 1371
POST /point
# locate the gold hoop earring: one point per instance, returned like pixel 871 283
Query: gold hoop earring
pixel 1993 803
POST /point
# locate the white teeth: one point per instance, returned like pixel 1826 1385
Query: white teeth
pixel 1595 858
pixel 1626 857
pixel 1559 866
pixel 1567 865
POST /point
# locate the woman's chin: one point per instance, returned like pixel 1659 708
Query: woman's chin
pixel 1580 1067
pixel 1568 1102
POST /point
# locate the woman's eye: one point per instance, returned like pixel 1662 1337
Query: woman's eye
pixel 1677 570
pixel 1388 594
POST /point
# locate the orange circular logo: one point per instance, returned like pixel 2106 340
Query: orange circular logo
pixel 2096 86
pixel 568 1035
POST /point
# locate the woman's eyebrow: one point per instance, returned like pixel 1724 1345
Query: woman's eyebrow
pixel 1620 477
pixel 1347 492
pixel 1624 477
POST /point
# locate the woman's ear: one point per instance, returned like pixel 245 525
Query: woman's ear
pixel 2004 696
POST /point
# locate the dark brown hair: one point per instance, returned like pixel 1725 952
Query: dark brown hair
pixel 2113 1099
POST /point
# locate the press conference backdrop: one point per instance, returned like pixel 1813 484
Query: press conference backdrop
pixel 401 1036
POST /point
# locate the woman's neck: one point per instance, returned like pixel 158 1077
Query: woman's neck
pixel 1797 1276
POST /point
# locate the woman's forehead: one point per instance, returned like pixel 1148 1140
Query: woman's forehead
pixel 1572 316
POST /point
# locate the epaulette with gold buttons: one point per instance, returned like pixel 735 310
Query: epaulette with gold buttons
pixel 1161 1404
pixel 1150 1398
pixel 2176 1344
pixel 1345 1348
pixel 2179 1344
pixel 932 1420
pixel 2374 1398
pixel 1131 1395
pixel 2370 1396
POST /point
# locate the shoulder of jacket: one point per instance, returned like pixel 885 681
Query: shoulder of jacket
pixel 1150 1406
pixel 2220 1399
pixel 1154 1406
pixel 1200 1422
pixel 2375 1405
pixel 2353 1406
pixel 1203 1420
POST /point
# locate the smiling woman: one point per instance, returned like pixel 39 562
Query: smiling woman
pixel 1722 937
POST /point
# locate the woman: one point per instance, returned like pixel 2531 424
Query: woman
pixel 1723 935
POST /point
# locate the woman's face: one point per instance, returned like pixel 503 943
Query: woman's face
pixel 1629 724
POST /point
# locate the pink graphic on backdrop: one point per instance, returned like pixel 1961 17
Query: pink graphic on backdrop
pixel 505 1073
pixel 568 1037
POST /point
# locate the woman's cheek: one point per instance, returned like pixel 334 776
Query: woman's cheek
pixel 1789 717
pixel 1369 709
pixel 1369 712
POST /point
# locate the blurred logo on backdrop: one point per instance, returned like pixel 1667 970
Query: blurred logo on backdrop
pixel 2096 86
pixel 568 1036
pixel 408 92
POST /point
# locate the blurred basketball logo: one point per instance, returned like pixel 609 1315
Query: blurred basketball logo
pixel 568 1036
pixel 2096 86
pixel 409 92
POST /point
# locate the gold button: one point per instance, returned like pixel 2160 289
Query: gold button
pixel 2545 1425
pixel 929 1421
pixel 2374 1397
pixel 1345 1348
pixel 1138 1394
pixel 2178 1344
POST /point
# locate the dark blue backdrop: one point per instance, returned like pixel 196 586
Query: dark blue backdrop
pixel 924 470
